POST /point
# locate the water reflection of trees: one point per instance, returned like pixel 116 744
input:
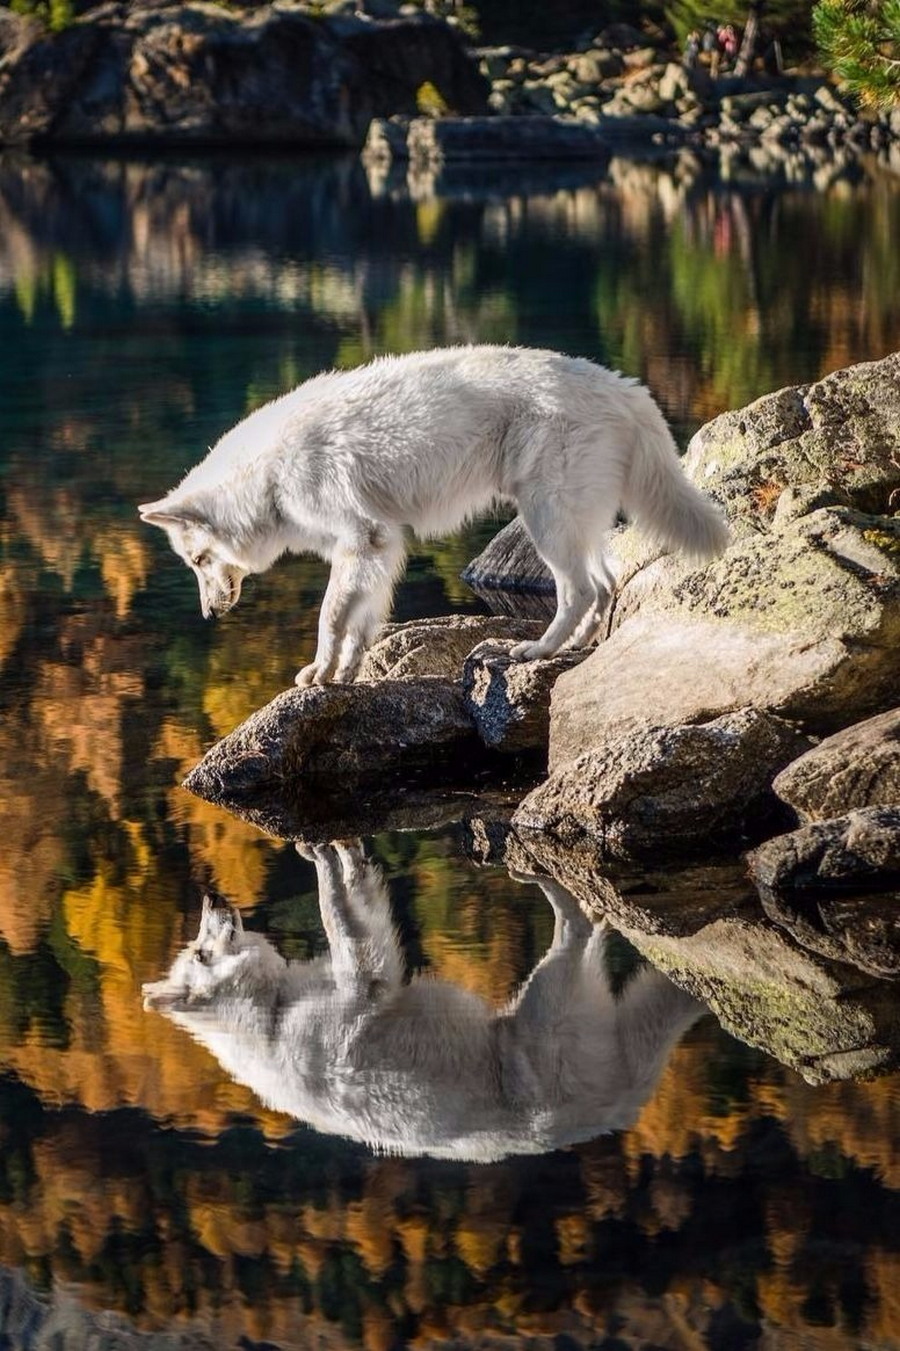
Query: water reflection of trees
pixel 728 1206
pixel 695 285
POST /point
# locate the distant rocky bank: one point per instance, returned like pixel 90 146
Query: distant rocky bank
pixel 203 75
pixel 409 88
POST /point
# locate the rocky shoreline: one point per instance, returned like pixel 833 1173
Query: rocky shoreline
pixel 751 704
pixel 407 89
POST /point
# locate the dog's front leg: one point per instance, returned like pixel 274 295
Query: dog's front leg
pixel 336 605
pixel 357 599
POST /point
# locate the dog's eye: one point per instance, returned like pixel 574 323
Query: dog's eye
pixel 201 957
pixel 201 560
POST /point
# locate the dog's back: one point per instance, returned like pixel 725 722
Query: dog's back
pixel 347 462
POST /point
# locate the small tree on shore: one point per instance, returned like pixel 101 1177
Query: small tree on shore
pixel 860 43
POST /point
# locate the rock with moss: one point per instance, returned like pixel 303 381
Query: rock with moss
pixel 833 443
pixel 803 622
pixel 836 441
pixel 799 619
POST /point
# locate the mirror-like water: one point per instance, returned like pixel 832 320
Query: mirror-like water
pixel 657 1184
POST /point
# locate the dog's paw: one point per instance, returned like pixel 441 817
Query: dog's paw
pixel 527 652
pixel 309 675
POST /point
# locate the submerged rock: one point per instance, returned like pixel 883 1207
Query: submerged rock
pixel 428 142
pixel 862 929
pixel 846 851
pixel 835 885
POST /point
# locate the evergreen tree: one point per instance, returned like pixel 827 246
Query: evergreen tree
pixel 860 42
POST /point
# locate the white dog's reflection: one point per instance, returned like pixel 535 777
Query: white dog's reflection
pixel 344 1043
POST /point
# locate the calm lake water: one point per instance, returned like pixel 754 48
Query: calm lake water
pixel 143 309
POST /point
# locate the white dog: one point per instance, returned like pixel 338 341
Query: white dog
pixel 347 1044
pixel 344 462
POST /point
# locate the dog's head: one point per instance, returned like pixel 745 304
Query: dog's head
pixel 223 957
pixel 218 571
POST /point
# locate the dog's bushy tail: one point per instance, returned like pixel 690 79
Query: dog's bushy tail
pixel 660 498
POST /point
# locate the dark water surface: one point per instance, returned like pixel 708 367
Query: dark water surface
pixel 143 309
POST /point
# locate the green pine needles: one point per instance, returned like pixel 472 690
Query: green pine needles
pixel 860 42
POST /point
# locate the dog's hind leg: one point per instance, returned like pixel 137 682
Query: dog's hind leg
pixel 357 600
pixel 592 623
pixel 556 538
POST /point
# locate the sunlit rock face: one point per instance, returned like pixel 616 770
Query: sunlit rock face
pixel 684 785
pixel 205 75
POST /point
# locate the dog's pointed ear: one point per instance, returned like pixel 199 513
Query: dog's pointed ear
pixel 168 511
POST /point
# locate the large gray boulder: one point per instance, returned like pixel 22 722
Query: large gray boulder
pixel 838 438
pixel 832 443
pixel 803 621
pixel 326 741
pixel 652 787
pixel 800 619
pixel 858 767
pixel 204 73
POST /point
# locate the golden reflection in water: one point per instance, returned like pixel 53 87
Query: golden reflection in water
pixel 113 689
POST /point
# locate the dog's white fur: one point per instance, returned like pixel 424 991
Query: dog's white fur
pixel 345 1043
pixel 344 462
